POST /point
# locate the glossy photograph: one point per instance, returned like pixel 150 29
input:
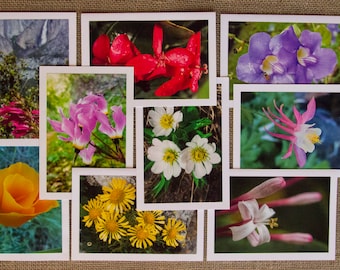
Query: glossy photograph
pixel 286 127
pixel 179 157
pixel 28 40
pixel 173 58
pixel 88 122
pixel 267 49
pixel 107 223
pixel 276 215
pixel 30 228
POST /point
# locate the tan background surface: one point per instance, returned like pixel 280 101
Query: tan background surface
pixel 296 7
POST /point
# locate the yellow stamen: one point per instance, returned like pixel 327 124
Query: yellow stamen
pixel 170 156
pixel 166 121
pixel 273 223
pixel 314 138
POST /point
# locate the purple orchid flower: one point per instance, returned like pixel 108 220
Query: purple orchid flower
pixel 261 65
pixel 312 62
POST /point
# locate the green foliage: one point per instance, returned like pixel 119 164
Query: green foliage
pixel 15 88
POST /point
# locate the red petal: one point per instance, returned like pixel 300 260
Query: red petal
pixel 143 65
pixel 101 47
pixel 172 86
pixel 157 41
pixel 179 57
pixel 122 50
pixel 194 46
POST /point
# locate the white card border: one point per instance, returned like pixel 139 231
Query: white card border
pixel 75 253
pixel 86 18
pixel 44 70
pixel 289 256
pixel 224 203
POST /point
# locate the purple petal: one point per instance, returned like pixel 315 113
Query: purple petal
pixel 311 40
pixel 87 153
pixel 300 156
pixel 119 118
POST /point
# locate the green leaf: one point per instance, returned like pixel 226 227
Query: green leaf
pixel 325 34
pixel 162 184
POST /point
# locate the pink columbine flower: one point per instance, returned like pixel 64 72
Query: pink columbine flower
pixel 302 136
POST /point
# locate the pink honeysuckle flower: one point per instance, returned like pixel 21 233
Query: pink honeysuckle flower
pixel 79 136
pixel 256 219
pixel 302 136
pixel 262 190
pixel 293 238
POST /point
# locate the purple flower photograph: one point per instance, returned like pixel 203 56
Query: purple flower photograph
pixel 279 50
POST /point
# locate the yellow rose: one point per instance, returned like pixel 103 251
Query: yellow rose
pixel 19 195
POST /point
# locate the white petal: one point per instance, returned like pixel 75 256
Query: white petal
pixel 199 171
pixel 214 158
pixel 248 209
pixel 158 167
pixel 242 231
pixel 208 166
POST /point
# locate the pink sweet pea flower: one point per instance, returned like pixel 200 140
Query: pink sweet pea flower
pixel 302 136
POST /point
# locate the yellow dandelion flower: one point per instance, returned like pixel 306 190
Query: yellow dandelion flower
pixel 119 196
pixel 151 218
pixel 174 232
pixel 142 236
pixel 112 226
pixel 94 207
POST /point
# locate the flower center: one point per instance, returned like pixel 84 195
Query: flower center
pixel 271 65
pixel 149 218
pixel 170 156
pixel 314 138
pixel 304 57
pixel 199 154
pixel 117 196
pixel 172 233
pixel 142 233
pixel 166 121
pixel 95 213
pixel 111 226
pixel 273 223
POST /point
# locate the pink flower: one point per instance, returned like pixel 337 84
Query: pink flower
pixel 79 136
pixel 302 136
pixel 119 120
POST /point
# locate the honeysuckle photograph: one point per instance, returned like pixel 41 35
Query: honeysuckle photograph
pixel 171 57
pixel 87 122
pixel 279 216
pixel 29 40
pixel 108 221
pixel 181 156
pixel 286 128
pixel 280 49
pixel 28 224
